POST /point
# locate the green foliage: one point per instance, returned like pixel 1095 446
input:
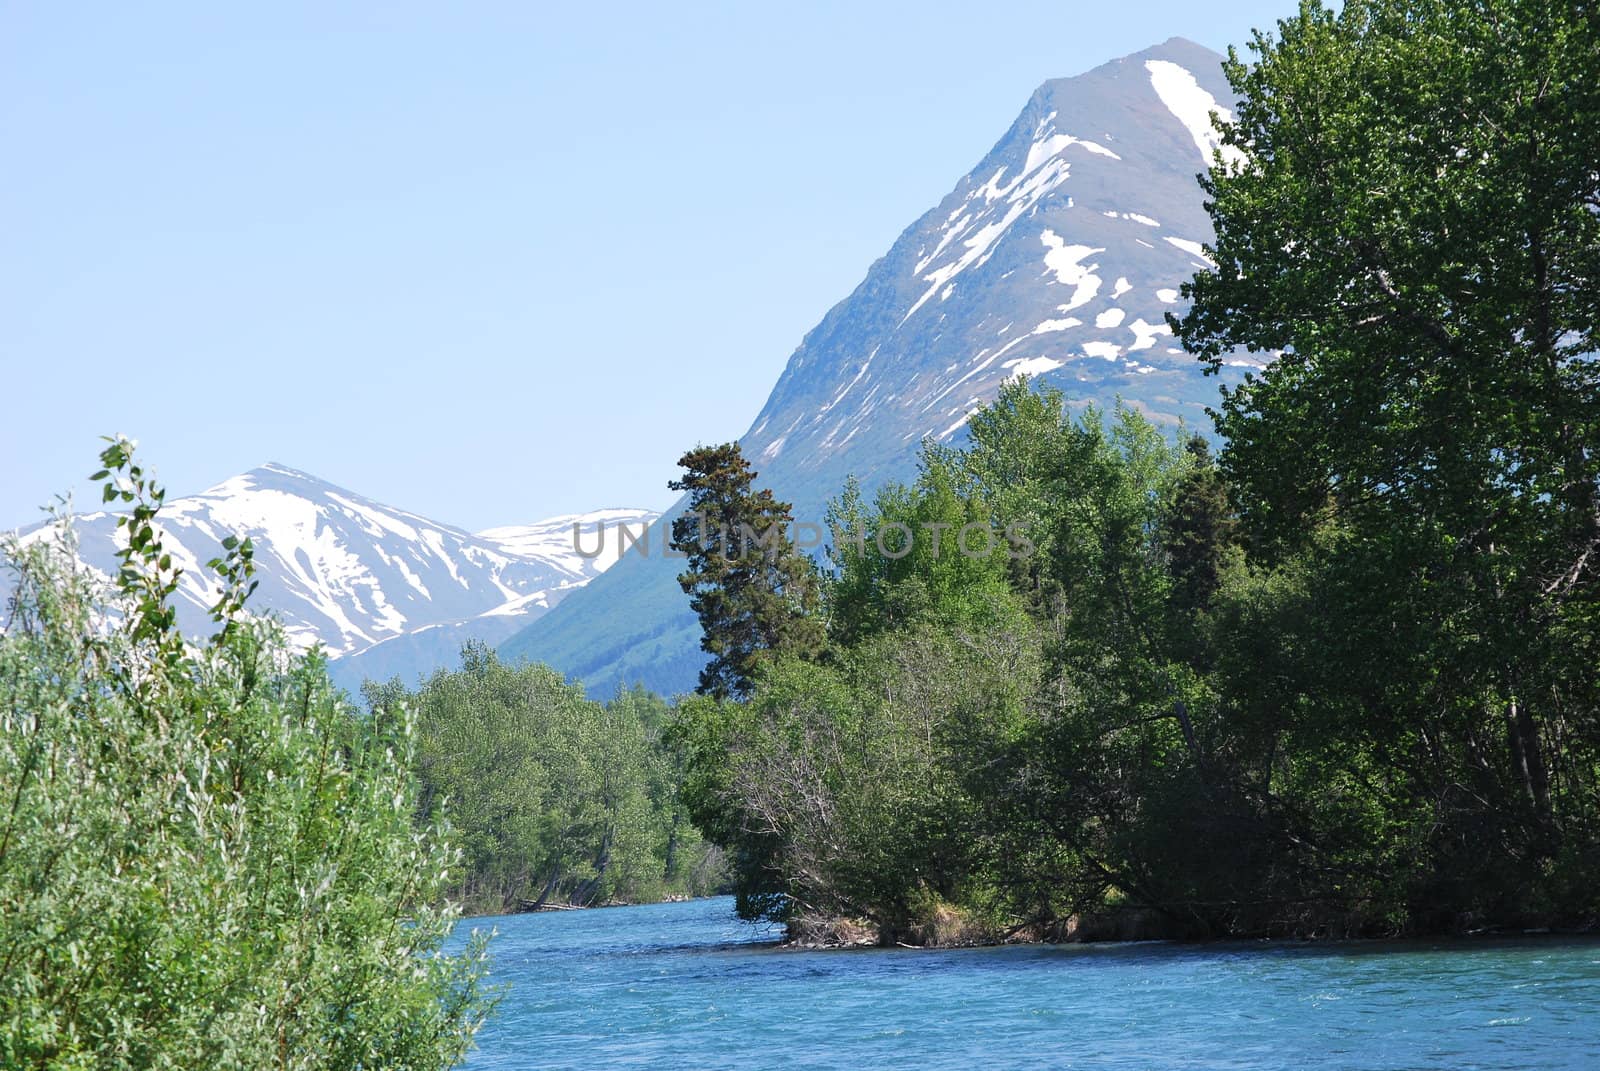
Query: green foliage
pixel 1200 534
pixel 553 798
pixel 752 590
pixel 840 790
pixel 1342 679
pixel 1150 719
pixel 1419 228
pixel 207 859
pixel 928 553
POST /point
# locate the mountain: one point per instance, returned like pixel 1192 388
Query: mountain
pixel 381 589
pixel 594 549
pixel 1057 256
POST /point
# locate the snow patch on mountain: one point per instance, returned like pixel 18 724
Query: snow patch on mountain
pixel 1145 334
pixel 581 544
pixel 1191 247
pixel 1192 106
pixel 1066 262
pixel 1033 366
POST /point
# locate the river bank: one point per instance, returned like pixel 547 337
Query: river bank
pixel 947 927
pixel 498 909
pixel 527 906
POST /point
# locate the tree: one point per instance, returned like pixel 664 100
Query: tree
pixel 975 752
pixel 1418 230
pixel 1200 535
pixel 1413 222
pixel 754 592
pixel 553 797
pixel 207 858
pixel 933 552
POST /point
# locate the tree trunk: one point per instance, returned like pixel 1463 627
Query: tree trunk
pixel 585 893
pixel 1527 757
pixel 671 867
pixel 549 887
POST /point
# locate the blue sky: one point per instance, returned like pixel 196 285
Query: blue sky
pixel 485 262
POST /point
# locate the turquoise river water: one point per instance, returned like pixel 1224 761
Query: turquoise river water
pixel 674 986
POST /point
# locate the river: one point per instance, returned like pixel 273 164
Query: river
pixel 672 986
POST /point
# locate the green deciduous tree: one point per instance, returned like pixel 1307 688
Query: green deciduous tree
pixel 553 797
pixel 1416 225
pixel 1344 678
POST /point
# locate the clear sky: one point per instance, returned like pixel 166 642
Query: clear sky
pixel 486 262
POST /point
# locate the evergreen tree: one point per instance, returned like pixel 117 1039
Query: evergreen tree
pixel 1200 531
pixel 754 592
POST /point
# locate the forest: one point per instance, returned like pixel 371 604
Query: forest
pixel 556 800
pixel 1151 725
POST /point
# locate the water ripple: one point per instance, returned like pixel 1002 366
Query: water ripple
pixel 688 986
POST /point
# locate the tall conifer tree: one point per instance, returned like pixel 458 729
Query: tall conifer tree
pixel 754 592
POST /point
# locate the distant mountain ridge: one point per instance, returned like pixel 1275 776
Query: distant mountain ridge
pixel 359 577
pixel 1057 256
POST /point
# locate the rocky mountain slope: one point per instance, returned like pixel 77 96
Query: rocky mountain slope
pixel 1057 256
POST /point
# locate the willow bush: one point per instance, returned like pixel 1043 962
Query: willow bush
pixel 208 859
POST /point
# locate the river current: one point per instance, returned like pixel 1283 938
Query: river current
pixel 688 985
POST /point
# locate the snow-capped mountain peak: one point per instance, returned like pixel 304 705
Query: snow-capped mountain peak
pixel 347 572
pixel 584 544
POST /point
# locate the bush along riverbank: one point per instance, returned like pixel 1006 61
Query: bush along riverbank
pixel 1341 678
pixel 207 857
pixel 945 926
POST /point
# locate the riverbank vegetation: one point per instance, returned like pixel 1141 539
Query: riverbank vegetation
pixel 1342 678
pixel 207 857
pixel 555 800
pixel 212 857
